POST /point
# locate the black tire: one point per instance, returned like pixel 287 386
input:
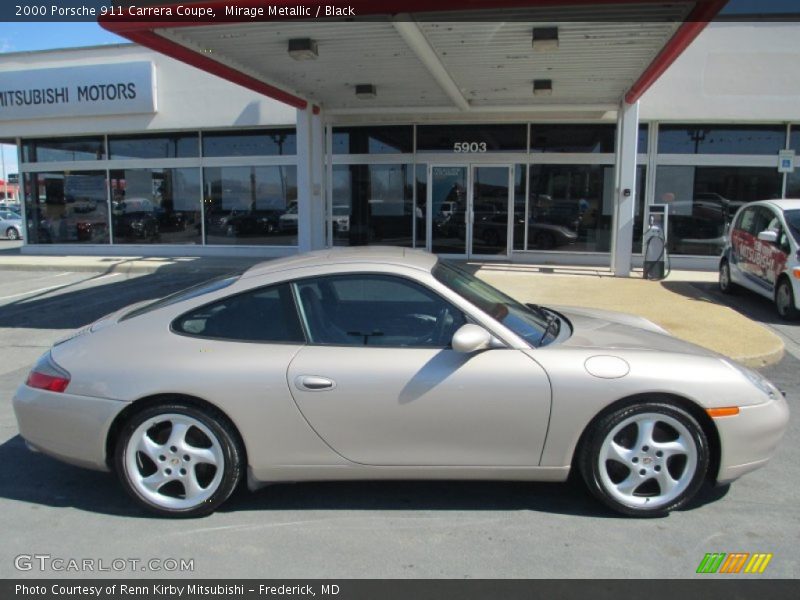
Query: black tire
pixel 726 285
pixel 590 452
pixel 785 301
pixel 220 427
pixel 12 233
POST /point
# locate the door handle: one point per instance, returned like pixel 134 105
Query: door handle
pixel 314 383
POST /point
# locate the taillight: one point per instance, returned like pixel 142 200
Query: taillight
pixel 47 375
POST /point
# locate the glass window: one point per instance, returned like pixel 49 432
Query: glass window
pixel 570 207
pixel 573 138
pixel 793 221
pixel 794 138
pixel 373 140
pixel 523 321
pixel 64 149
pixel 520 175
pixel 150 206
pixel 644 139
pixel 703 200
pixel 471 139
pixel 251 205
pixel 67 207
pixel 638 217
pixel 373 204
pixel 715 139
pixel 201 289
pixel 793 184
pixel 266 315
pixel 263 142
pixel 376 310
pixel 167 145
pixel 420 211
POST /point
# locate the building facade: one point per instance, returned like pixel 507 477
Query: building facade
pixel 194 164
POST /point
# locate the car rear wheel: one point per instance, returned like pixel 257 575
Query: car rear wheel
pixel 645 460
pixel 12 233
pixel 726 285
pixel 784 301
pixel 178 460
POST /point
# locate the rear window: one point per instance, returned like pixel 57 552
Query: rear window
pixel 206 287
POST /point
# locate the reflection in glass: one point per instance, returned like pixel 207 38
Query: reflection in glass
pixel 420 210
pixel 721 139
pixel 251 205
pixel 63 149
pixel 449 209
pixel 572 138
pixel 391 139
pixel 570 207
pixel 373 204
pixel 266 142
pixel 490 210
pixel 703 200
pixel 520 177
pixel 67 207
pixel 166 145
pixel 156 206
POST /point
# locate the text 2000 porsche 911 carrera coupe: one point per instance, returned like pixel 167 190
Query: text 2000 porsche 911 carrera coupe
pixel 385 363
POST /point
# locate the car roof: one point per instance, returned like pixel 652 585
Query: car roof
pixel 407 257
pixel 782 204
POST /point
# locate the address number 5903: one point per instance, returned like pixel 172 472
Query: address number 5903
pixel 465 147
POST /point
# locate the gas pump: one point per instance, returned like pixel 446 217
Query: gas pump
pixel 656 258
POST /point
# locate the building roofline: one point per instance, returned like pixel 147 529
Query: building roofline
pixel 71 49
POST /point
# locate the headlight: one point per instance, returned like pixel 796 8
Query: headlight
pixel 757 379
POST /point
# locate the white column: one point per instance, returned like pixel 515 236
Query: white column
pixel 625 205
pixel 310 177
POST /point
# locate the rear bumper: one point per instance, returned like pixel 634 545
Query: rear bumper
pixel 70 428
pixel 749 439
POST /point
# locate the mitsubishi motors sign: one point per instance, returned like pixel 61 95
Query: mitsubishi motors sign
pixel 84 91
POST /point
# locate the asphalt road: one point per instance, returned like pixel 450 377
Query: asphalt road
pixel 388 529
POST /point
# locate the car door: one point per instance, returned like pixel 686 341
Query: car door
pixel 770 257
pixel 380 384
pixel 743 240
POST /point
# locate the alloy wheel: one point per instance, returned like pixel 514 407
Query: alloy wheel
pixel 174 461
pixel 647 461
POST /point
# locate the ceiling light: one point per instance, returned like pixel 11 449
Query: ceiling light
pixel 303 49
pixel 542 87
pixel 366 91
pixel 545 39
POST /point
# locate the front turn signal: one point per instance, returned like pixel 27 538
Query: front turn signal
pixel 727 411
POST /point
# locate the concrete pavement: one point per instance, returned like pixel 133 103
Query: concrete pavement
pixel 680 307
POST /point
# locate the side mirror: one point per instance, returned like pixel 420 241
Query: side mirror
pixel 471 338
pixel 769 235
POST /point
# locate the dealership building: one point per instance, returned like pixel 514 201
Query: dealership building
pixel 533 135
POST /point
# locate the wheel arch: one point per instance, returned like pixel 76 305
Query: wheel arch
pixel 705 422
pixel 141 404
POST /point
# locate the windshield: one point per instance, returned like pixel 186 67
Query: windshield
pixel 206 287
pixel 793 221
pixel 528 324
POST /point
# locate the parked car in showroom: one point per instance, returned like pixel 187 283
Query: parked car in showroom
pixel 388 363
pixel 11 224
pixel 762 254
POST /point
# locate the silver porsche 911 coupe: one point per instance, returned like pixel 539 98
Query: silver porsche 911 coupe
pixel 386 363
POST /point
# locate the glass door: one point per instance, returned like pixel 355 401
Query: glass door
pixel 490 201
pixel 447 202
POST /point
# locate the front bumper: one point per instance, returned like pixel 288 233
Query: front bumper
pixel 748 440
pixel 70 428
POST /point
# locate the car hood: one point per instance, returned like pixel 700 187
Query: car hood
pixel 605 329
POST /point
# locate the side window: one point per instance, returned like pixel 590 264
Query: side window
pixel 747 221
pixel 262 315
pixel 375 310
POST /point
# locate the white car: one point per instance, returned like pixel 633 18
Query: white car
pixel 762 254
pixel 10 224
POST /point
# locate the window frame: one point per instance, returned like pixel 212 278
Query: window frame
pixel 253 290
pixel 301 314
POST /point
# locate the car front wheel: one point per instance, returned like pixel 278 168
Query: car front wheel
pixel 646 459
pixel 726 285
pixel 784 301
pixel 12 233
pixel 179 460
